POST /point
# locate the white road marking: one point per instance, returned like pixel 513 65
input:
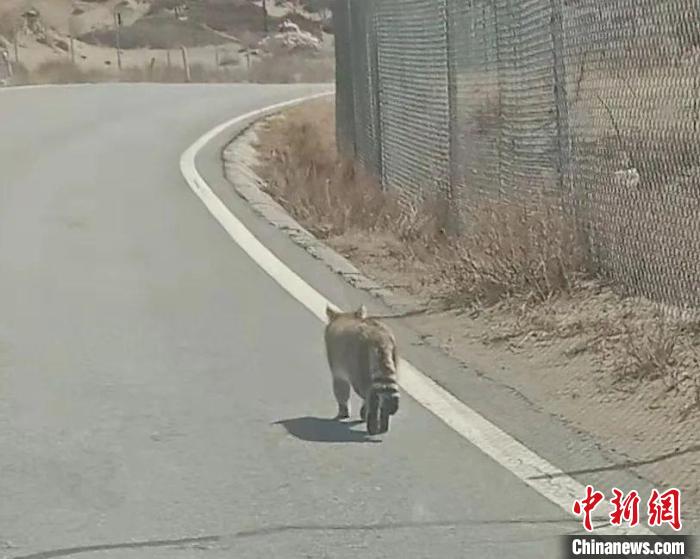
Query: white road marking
pixel 540 475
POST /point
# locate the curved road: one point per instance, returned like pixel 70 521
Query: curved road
pixel 160 396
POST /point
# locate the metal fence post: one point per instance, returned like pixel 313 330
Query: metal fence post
pixel 452 218
pixel 344 94
pixel 571 199
pixel 354 73
pixel 498 26
pixel 561 103
pixel 377 92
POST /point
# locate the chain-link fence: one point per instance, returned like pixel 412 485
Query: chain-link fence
pixel 594 103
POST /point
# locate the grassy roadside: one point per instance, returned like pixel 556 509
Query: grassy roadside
pixel 515 296
pixel 524 267
pixel 287 68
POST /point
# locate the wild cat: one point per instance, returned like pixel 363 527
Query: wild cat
pixel 362 353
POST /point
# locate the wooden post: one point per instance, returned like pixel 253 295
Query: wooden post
pixel 118 24
pixel 151 67
pixel 6 59
pixel 264 8
pixel 72 49
pixel 16 47
pixel 186 64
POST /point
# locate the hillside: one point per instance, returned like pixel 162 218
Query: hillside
pixel 217 33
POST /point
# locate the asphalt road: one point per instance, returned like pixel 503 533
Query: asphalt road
pixel 160 396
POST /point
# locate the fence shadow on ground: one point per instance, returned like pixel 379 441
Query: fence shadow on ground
pixel 624 465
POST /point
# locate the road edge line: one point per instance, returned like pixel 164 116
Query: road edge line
pixel 533 470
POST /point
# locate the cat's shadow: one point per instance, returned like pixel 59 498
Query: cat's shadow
pixel 325 430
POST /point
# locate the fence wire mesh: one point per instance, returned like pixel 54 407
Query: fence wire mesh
pixel 595 105
pixel 413 97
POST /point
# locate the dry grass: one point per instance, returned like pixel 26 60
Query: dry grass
pixel 508 251
pixel 62 72
pixel 630 339
pixel 293 68
pixel 523 268
pixel 158 32
pixel 328 195
pixel 269 70
pixel 531 253
pixel 10 22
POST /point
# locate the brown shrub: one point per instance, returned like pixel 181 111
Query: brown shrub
pixel 507 250
pixel 526 261
pixel 327 194
pixel 277 69
pixel 515 250
pixel 10 22
pixel 60 71
pixel 293 68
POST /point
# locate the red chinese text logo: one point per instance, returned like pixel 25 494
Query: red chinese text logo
pixel 626 508
pixel 586 505
pixel 662 508
pixel 665 507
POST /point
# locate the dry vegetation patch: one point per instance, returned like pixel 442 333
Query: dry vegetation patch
pixel 159 32
pixel 222 39
pixel 530 253
pixel 515 297
pixel 523 270
pixel 275 69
